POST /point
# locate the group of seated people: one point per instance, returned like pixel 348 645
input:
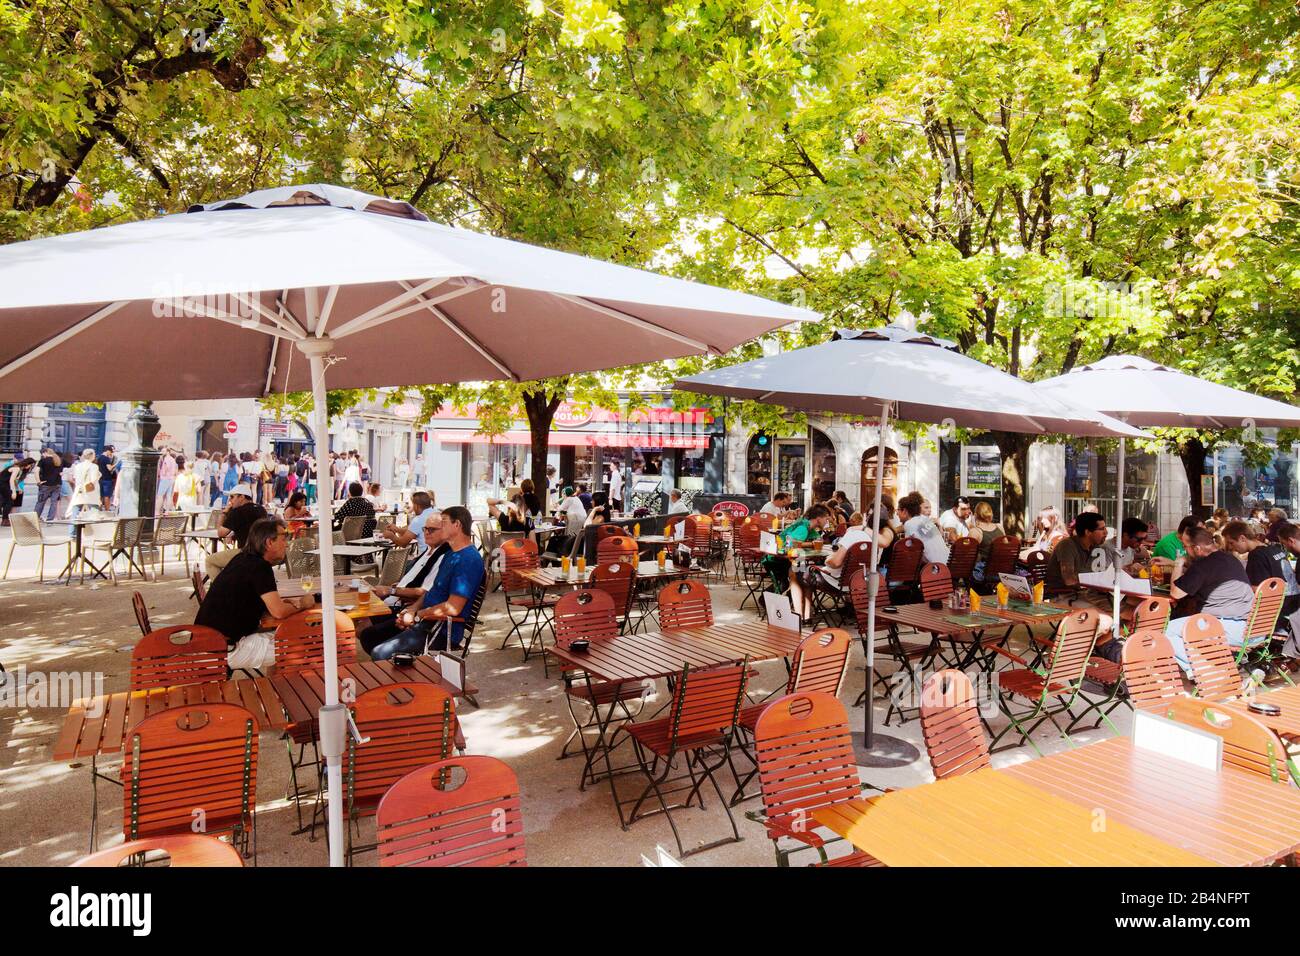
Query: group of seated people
pixel 1207 575
pixel 440 580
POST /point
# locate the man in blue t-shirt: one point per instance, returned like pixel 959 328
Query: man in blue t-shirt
pixel 457 581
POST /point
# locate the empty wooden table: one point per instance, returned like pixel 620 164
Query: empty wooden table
pixel 100 725
pixel 1233 818
pixel 990 818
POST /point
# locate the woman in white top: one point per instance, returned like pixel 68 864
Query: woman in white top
pixel 85 483
pixel 1048 531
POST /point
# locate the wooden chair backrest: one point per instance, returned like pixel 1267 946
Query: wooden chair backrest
pixel 517 555
pixel 192 849
pixel 699 533
pixel 1074 642
pixel 857 556
pixel 588 614
pixel 141 612
pixel 1151 672
pixel 1269 595
pixel 936 582
pixel 1247 744
pixel 604 531
pixel 961 558
pixel 819 662
pixel 685 604
pixel 905 558
pixel 1002 556
pixel 200 589
pixel 422 822
pixel 188 759
pixel 172 656
pixel 1152 614
pixel 707 701
pixel 860 595
pixel 300 641
pixel 1214 666
pixel 804 752
pixel 950 722
pixel 619 547
pixel 618 580
pixel 746 535
pixel 671 523
pixel 408 724
pixel 1035 567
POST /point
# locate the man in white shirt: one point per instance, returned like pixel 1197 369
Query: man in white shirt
pixel 777 506
pixel 922 527
pixel 675 504
pixel 616 487
pixel 956 521
pixel 422 504
pixel 571 509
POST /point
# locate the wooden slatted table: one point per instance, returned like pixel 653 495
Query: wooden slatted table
pixel 1233 817
pixel 1285 724
pixel 991 818
pixel 302 693
pixel 934 621
pixel 100 725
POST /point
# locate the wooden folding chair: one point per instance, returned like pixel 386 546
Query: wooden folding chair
pixel 905 559
pixel 1151 616
pixel 423 820
pixel 1247 743
pixel 300 645
pixel 176 851
pixel 174 656
pixel 1028 698
pixel 698 541
pixel 817 666
pixel 591 615
pixel 748 561
pixel 961 560
pixel 700 728
pixel 525 605
pixel 830 596
pixel 1261 628
pixel 613 548
pixel 468 619
pixel 1214 665
pixel 902 653
pixel 192 769
pixel 805 762
pixel 200 591
pixel 950 723
pixel 403 727
pixel 141 612
pixel 618 580
pixel 1034 567
pixel 685 604
pixel 1151 671
pixel 1003 555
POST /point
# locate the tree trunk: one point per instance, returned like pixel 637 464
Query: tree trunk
pixel 1014 447
pixel 540 408
pixel 1192 454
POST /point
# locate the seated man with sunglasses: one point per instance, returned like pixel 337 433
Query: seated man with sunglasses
pixel 246 590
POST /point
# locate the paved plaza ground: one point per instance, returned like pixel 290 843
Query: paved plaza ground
pixel 45 807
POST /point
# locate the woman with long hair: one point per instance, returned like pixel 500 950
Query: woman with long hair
pixel 1048 531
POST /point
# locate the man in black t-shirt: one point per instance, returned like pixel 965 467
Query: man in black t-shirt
pixel 50 471
pixel 1213 582
pixel 234 523
pixel 246 590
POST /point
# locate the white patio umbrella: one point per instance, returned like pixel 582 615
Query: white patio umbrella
pixel 214 303
pixel 1150 395
pixel 895 372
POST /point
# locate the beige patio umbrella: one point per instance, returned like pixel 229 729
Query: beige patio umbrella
pixel 219 301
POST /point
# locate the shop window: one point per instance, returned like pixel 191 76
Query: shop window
pixel 758 468
pixel 823 466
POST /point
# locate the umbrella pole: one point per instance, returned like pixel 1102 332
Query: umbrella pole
pixel 1119 539
pixel 873 582
pixel 333 716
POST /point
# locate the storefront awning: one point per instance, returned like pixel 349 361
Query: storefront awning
pixel 594 439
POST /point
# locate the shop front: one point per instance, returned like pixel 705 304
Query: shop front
pixel 656 448
pixel 803 467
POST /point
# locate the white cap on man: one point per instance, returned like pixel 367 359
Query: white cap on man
pixel 245 490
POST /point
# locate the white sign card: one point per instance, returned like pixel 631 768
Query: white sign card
pixel 453 671
pixel 1016 584
pixel 766 541
pixel 1172 739
pixel 780 613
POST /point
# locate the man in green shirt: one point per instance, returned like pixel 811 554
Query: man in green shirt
pixel 1174 545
